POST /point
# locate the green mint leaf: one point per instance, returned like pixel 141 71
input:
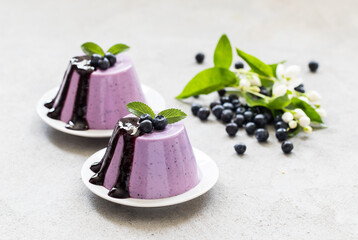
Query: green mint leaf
pixel 207 81
pixel 274 67
pixel 255 64
pixel 139 108
pixel 89 48
pixel 279 102
pixel 173 115
pixel 118 48
pixel 307 108
pixel 223 53
pixel 254 101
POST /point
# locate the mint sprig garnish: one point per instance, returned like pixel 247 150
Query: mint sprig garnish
pixel 90 48
pixel 282 86
pixel 172 115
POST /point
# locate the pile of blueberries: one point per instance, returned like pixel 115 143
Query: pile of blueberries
pixel 235 115
pixel 105 62
pixel 147 123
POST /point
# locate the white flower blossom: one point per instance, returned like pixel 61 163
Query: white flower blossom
pixel 292 71
pixel 279 90
pixel 244 83
pixel 255 81
pixel 307 129
pixel 304 99
pixel 242 100
pixel 292 124
pixel 287 117
pixel 288 77
pixel 322 113
pixel 313 96
pixel 304 121
pixel 299 113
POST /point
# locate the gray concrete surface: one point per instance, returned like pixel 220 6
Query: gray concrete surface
pixel 311 194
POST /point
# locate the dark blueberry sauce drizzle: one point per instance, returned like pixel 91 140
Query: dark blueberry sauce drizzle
pixel 78 120
pixel 129 129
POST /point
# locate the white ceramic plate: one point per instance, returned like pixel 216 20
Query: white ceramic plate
pixel 208 174
pixel 154 98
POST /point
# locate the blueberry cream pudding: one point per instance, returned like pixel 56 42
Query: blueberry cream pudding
pixel 148 156
pixel 96 88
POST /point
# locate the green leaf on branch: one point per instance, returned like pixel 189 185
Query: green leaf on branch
pixel 90 48
pixel 173 115
pixel 139 108
pixel 254 101
pixel 279 102
pixel 294 132
pixel 256 64
pixel 118 48
pixel 307 108
pixel 223 53
pixel 209 80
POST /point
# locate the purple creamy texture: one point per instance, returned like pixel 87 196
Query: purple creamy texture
pixel 163 164
pixel 108 94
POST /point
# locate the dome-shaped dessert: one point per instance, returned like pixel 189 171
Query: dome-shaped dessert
pixel 147 166
pixel 92 98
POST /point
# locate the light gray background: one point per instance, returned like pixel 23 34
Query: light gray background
pixel 310 194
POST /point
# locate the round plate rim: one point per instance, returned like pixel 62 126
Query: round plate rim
pixel 91 133
pixel 208 172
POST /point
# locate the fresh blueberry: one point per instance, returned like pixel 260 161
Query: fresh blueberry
pixel 240 148
pixel 224 99
pixel 236 103
pixel 249 116
pixel 313 65
pixel 199 58
pixel 145 117
pixel 260 120
pixel 111 58
pixel 250 128
pixel 215 103
pixel 240 110
pixel 95 59
pixel 195 108
pixel 226 115
pixel 300 88
pixel 264 91
pixel 222 92
pixel 160 122
pixel 217 111
pixel 239 120
pixel 196 96
pixel 146 126
pixel 103 64
pixel 204 113
pixel 280 124
pixel 278 118
pixel 261 134
pixel 233 97
pixel 287 146
pixel 281 134
pixel 231 129
pixel 239 65
pixel 268 116
pixel 228 105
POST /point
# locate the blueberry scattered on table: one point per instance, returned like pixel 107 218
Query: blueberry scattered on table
pixel 239 120
pixel 287 146
pixel 228 105
pixel 215 103
pixel 145 117
pixel 146 126
pixel 217 111
pixel 260 120
pixel 226 115
pixel 239 65
pixel 240 148
pixel 240 110
pixel 313 66
pixel 281 124
pixel 199 58
pixel 203 113
pixel 225 99
pixel 281 134
pixel 159 122
pixel 278 118
pixel 250 128
pixel 195 108
pixel 231 129
pixel 300 88
pixel 248 115
pixel 233 97
pixel 222 92
pixel 261 134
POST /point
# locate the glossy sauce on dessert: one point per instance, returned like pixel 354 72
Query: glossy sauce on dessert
pixel 129 129
pixel 78 120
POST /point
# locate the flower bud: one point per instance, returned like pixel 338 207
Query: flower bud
pixel 244 83
pixel 255 81
pixel 279 90
pixel 307 129
pixel 292 124
pixel 304 121
pixel 255 89
pixel 313 96
pixel 322 113
pixel 287 117
pixel 299 113
pixel 304 99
